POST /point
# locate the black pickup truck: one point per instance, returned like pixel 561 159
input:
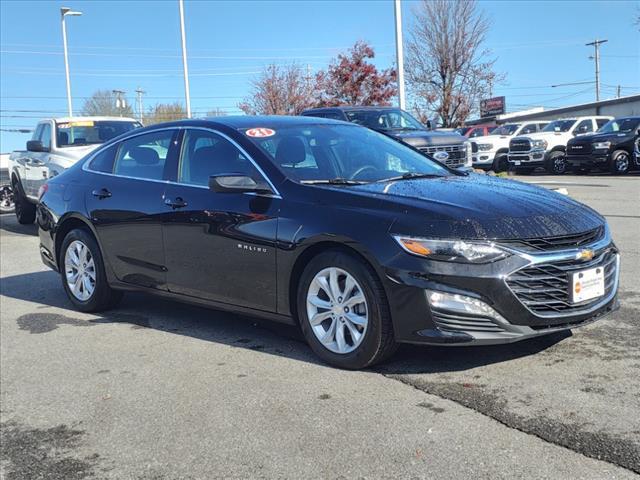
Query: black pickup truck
pixel 450 148
pixel 613 147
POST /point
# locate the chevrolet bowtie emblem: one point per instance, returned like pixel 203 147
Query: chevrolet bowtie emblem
pixel 585 255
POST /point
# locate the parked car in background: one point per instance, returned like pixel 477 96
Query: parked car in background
pixel 449 148
pixel 611 148
pixel 491 152
pixel 476 130
pixel 357 239
pixel 547 148
pixel 57 143
pixel 6 192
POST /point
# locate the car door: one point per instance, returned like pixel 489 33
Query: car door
pixel 125 201
pixel 219 246
pixel 39 161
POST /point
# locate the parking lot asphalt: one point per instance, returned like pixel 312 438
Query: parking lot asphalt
pixel 161 390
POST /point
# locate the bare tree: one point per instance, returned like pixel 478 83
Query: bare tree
pixel 216 112
pixel 448 70
pixel 352 80
pixel 104 103
pixel 165 112
pixel 279 91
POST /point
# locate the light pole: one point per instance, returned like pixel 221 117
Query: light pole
pixel 64 11
pixel 399 53
pixel 187 95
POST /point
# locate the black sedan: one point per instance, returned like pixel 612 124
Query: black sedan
pixel 358 239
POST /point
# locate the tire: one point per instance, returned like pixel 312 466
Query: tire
pixel 500 164
pixel 24 209
pixel 102 297
pixel 620 162
pixel 7 202
pixel 376 342
pixel 524 171
pixel 556 163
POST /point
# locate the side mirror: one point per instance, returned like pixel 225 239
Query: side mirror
pixel 36 146
pixel 236 183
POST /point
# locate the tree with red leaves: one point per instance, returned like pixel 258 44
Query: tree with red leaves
pixel 352 80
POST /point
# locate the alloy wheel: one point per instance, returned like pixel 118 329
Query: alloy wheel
pixel 337 310
pixel 559 165
pixel 622 163
pixel 80 270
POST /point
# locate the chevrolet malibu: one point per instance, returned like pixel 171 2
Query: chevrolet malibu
pixel 361 241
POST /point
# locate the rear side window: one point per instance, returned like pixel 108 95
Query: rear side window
pixel 601 121
pixel 144 156
pixel 103 161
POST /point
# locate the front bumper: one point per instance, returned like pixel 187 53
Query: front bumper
pixel 532 158
pixel 590 160
pixel 483 160
pixel 510 315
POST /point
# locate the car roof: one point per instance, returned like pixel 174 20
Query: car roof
pixel 352 108
pixel 90 119
pixel 241 122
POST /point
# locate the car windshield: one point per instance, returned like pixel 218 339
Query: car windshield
pixel 559 126
pixel 624 125
pixel 387 119
pixel 508 129
pixel 342 154
pixel 91 132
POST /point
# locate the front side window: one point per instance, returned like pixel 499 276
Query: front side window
pixel 91 132
pixel 559 126
pixel 384 119
pixel 585 126
pixel 206 153
pixel 624 125
pixel 45 136
pixel 530 128
pixel 601 121
pixel 144 156
pixel 507 130
pixel 477 132
pixel 347 152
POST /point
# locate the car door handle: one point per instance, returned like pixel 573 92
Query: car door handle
pixel 102 193
pixel 177 202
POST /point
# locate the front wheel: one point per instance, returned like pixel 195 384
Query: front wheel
pixel 500 164
pixel 620 162
pixel 343 311
pixel 7 204
pixel 83 273
pixel 556 164
pixel 25 210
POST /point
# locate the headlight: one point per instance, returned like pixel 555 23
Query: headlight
pixel 539 144
pixel 601 145
pixel 469 152
pixel 485 147
pixel 452 250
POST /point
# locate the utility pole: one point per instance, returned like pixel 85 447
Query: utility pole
pixel 618 91
pixel 121 103
pixel 596 45
pixel 187 95
pixel 399 53
pixel 139 93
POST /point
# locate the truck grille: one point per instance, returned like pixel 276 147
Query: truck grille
pixel 579 149
pixel 519 145
pixel 457 153
pixel 544 288
pixel 556 243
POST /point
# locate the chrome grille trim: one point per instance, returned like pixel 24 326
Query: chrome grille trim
pixel 457 153
pixel 455 322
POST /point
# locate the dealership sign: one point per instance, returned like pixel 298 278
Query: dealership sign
pixel 492 106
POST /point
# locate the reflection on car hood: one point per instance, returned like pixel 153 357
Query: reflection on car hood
pixel 481 206
pixel 423 138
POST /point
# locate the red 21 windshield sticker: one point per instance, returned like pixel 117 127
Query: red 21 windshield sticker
pixel 260 132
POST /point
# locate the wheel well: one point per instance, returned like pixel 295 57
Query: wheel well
pixel 559 148
pixel 502 151
pixel 62 231
pixel 303 260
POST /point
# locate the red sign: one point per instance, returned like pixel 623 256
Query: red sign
pixel 260 132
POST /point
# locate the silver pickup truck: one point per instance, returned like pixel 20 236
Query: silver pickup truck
pixel 57 143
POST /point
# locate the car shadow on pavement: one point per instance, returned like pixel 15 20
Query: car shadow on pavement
pixel 52 309
pixel 9 224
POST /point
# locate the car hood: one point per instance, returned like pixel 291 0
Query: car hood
pixel 480 206
pixel 424 138
pixel 602 137
pixel 543 135
pixel 494 139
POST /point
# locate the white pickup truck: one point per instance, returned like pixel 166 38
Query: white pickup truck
pixel 57 143
pixel 547 148
pixel 490 152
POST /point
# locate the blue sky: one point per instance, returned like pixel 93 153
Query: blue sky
pixel 126 45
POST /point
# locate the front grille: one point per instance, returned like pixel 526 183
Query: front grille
pixel 519 145
pixel 561 242
pixel 457 322
pixel 579 149
pixel 544 288
pixel 457 153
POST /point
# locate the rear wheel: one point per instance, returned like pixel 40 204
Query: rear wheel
pixel 556 164
pixel 620 162
pixel 7 203
pixel 343 311
pixel 25 210
pixel 83 273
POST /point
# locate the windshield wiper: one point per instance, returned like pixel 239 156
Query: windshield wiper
pixel 410 176
pixel 333 181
